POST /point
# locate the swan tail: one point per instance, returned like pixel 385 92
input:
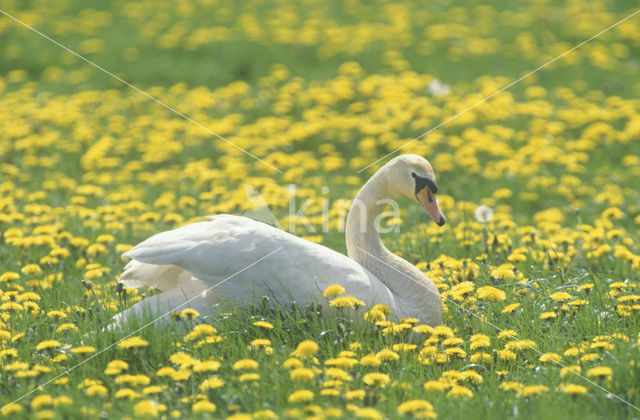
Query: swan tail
pixel 165 277
pixel 158 309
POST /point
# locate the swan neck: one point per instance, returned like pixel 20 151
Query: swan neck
pixel 403 279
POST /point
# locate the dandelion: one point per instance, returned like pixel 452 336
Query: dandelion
pixel 531 390
pixel 211 383
pixel 83 350
pixel 48 344
pixel 333 291
pixel 560 296
pixel 339 374
pixel 248 377
pixel 265 415
pixel 484 214
pixel 8 277
pixel 550 358
pixel 368 413
pixel 376 379
pixel 292 363
pixel 437 386
pixel 41 401
pixel 115 367
pixel 147 408
pixel 188 314
pixel 341 362
pixel 96 390
pixel 599 372
pixel 414 406
pixel 387 355
pixel 306 348
pixel 370 360
pixel 302 395
pixel 572 389
pixel 302 374
pixel 510 308
pixel 458 391
pixel 356 394
pixel 63 328
pixel 132 343
pixel 263 324
pixel 132 380
pixel 346 302
pixel 245 364
pixel 206 366
pixel 126 393
pixel 491 294
pixel 31 269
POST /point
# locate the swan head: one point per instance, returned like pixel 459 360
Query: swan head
pixel 413 177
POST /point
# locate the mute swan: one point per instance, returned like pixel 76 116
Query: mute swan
pixel 246 258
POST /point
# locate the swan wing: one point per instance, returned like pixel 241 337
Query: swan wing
pixel 229 252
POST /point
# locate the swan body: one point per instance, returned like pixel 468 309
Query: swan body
pixel 237 259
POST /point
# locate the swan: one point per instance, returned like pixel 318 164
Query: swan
pixel 234 258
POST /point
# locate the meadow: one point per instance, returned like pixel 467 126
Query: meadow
pixel 542 300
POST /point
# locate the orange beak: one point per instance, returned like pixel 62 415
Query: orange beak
pixel 430 204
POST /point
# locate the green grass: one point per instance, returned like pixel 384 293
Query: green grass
pixel 52 119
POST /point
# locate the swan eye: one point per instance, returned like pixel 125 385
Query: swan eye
pixel 422 182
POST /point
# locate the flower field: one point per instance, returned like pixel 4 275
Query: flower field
pixel 538 264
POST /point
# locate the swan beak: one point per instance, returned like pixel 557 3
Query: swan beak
pixel 430 204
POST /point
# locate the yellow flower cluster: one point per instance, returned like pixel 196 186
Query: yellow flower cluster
pixel 538 265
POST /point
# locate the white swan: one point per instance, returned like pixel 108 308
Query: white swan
pixel 248 259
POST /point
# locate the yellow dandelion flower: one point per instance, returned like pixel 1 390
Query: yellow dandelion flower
pixel 510 308
pixel 265 415
pixel 41 401
pixel 96 390
pixel 301 395
pixel 370 360
pixel 133 379
pixel 63 328
pixel 247 377
pixel 387 355
pixel 414 406
pixel 339 374
pixel 437 386
pixel 599 372
pixel 341 362
pixel 211 383
pixel 127 393
pixel 346 302
pixel 491 294
pixel 114 367
pixel 305 349
pixel 292 363
pixel 531 390
pixel 573 389
pixel 376 379
pixel 302 374
pixel 356 394
pixel 560 296
pixel 206 366
pixel 245 364
pixel 48 344
pixel 132 343
pixel 263 324
pixel 458 391
pixel 333 291
pixel 83 349
pixel 147 408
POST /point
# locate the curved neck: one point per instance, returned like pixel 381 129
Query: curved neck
pixel 361 231
pixel 419 296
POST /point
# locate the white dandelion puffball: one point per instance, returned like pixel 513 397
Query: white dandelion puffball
pixel 484 214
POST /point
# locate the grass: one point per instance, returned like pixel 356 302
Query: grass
pixel 320 90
